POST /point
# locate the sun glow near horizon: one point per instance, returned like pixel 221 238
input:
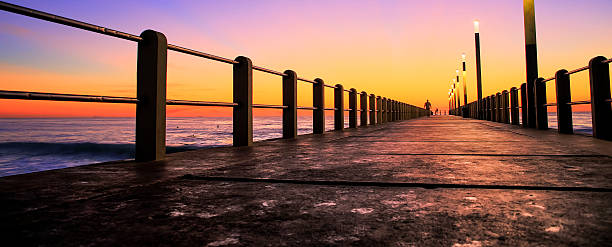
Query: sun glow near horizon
pixel 404 50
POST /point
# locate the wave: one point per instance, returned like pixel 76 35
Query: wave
pixel 45 148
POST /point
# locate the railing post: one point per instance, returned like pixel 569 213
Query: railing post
pixel 363 97
pixel 243 96
pixel 290 101
pixel 505 108
pixel 493 108
pixel 514 106
pixel 474 111
pixel 353 107
pixel 392 103
pixel 501 107
pixel 389 110
pixel 540 104
pixel 408 111
pixel 383 110
pixel 497 107
pixel 378 110
pixel 599 73
pixel 564 97
pixel 487 108
pixel 318 102
pixel 372 109
pixel 339 107
pixel 398 113
pixel 393 110
pixel 151 93
pixel 524 117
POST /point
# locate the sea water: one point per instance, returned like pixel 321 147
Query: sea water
pixel 38 144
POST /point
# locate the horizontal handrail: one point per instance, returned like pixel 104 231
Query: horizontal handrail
pixel 200 54
pixel 330 109
pixel 583 102
pixel 306 80
pixel 4 94
pixel 67 21
pixel 269 71
pixel 269 106
pixel 110 32
pixel 574 71
pixel 306 108
pixel 200 103
pixel 329 86
pixel 577 70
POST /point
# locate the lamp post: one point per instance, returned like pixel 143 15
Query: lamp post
pixel 456 93
pixel 462 112
pixel 464 81
pixel 478 68
pixel 531 56
pixel 450 95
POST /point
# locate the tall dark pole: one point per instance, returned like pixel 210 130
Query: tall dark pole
pixel 459 96
pixel 464 80
pixel 531 55
pixel 458 99
pixel 478 68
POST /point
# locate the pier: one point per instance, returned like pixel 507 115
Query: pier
pixel 436 180
pixel 397 176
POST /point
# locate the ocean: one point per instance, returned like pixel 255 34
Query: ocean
pixel 38 144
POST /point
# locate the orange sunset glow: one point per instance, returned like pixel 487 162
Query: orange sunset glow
pixel 406 50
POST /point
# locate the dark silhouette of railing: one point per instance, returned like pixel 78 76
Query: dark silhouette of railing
pixel 151 93
pixel 495 107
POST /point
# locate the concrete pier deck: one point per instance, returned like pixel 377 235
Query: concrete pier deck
pixel 438 181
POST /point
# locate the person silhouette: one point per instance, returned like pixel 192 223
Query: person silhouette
pixel 428 107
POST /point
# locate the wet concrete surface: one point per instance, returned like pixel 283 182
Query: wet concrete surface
pixel 439 181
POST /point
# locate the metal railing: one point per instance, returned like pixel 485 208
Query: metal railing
pixel 495 107
pixel 151 92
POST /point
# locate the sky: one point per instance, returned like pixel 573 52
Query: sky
pixel 404 50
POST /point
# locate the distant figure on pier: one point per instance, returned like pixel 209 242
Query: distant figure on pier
pixel 428 107
pixel 436 111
